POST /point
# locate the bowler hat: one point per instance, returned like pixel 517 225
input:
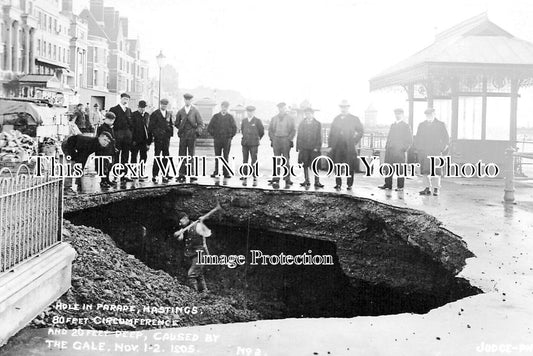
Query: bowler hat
pixel 309 109
pixel 142 104
pixel 250 108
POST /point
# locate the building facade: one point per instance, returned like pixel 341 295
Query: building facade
pixel 47 51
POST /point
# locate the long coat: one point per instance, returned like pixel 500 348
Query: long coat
pixel 431 138
pixel 399 140
pixel 189 125
pixel 122 125
pixel 345 133
pixel 139 123
pixel 160 128
pixel 309 135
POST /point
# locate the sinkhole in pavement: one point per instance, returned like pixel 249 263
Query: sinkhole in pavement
pixel 374 271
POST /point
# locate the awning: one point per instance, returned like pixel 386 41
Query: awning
pixel 48 81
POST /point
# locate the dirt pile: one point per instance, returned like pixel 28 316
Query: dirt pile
pixel 103 274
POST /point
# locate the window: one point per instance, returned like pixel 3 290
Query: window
pixel 39 46
pixel 50 50
pixel 498 116
pixel 469 121
pixel 95 78
pixel 55 52
pixel 95 54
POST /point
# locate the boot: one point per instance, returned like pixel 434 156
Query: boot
pixel 202 286
pixel 193 283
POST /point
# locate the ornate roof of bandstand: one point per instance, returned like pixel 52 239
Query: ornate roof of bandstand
pixel 475 58
pixel 474 48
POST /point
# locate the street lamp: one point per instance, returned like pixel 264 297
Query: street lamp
pixel 160 62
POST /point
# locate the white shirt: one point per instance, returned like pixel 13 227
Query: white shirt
pixel 164 113
pixel 123 107
pixel 187 109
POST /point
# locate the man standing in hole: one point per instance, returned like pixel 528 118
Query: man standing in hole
pixel 194 238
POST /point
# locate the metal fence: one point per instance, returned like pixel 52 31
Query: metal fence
pixel 31 210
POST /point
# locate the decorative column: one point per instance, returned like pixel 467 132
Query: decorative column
pixel 32 51
pixel 26 57
pixel 16 47
pixel 514 107
pixel 9 44
pixel 411 98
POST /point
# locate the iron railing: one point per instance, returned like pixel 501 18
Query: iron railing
pixel 30 216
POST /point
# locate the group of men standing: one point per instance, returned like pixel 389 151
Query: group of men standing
pixel 132 134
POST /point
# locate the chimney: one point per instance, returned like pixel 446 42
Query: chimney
pixel 67 6
pixel 97 10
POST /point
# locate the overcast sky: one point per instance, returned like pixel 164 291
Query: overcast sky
pixel 291 50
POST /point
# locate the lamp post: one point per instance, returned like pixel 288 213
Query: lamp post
pixel 160 62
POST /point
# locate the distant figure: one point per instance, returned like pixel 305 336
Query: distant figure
pixel 95 116
pixel 222 127
pixel 110 150
pixel 194 242
pixel 82 121
pixel 345 133
pixel 399 140
pixel 281 132
pixel 308 144
pixel 190 125
pixel 431 140
pixel 252 130
pixel 140 139
pixel 160 130
pixel 123 129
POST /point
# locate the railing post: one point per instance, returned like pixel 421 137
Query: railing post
pixel 508 196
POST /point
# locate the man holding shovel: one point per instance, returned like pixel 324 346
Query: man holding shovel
pixel 194 235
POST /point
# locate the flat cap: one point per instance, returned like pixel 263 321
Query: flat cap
pixel 110 115
pixel 106 134
pixel 164 102
pixel 429 111
pixel 250 108
pixel 188 96
pixel 125 95
pixel 398 110
pixel 224 103
pixel 142 104
pixel 282 104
